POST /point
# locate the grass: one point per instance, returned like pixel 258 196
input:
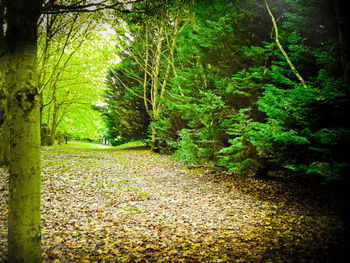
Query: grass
pixel 94 146
pixel 86 145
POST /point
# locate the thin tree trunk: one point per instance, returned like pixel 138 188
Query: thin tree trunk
pixel 54 123
pixel 155 141
pixel 145 75
pixel 155 82
pixel 23 105
pixel 284 53
pixel 156 71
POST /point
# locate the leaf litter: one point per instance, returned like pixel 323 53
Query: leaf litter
pixel 133 205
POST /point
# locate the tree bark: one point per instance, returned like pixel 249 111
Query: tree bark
pixel 24 244
pixel 4 131
pixel 4 138
pixel 3 105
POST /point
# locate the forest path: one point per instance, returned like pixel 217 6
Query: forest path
pixel 133 205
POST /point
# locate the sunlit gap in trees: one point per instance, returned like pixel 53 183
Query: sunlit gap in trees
pixel 73 69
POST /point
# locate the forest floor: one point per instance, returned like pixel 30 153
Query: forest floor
pixel 133 205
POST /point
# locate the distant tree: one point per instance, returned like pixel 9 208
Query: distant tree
pixel 60 36
pixel 151 51
pixel 125 112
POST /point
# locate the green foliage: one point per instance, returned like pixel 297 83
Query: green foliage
pixel 239 156
pixel 188 151
pixel 208 53
pixel 125 113
pixel 301 129
pixel 71 65
pixel 232 98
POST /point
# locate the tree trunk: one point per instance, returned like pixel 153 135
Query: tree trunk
pixel 45 135
pixel 4 130
pixel 54 123
pixel 60 138
pixel 4 141
pixel 3 105
pixel 24 243
pixel 342 17
pixel 155 141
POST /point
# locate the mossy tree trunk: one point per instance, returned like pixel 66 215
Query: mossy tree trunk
pixel 4 136
pixel 20 77
pixel 3 124
pixel 45 135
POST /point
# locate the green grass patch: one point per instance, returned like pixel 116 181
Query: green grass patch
pixel 133 143
pixel 78 145
pixel 92 146
pixel 87 145
pixel 74 145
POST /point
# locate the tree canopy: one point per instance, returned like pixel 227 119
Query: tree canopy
pixel 248 86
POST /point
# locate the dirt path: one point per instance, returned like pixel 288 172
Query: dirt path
pixel 132 205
